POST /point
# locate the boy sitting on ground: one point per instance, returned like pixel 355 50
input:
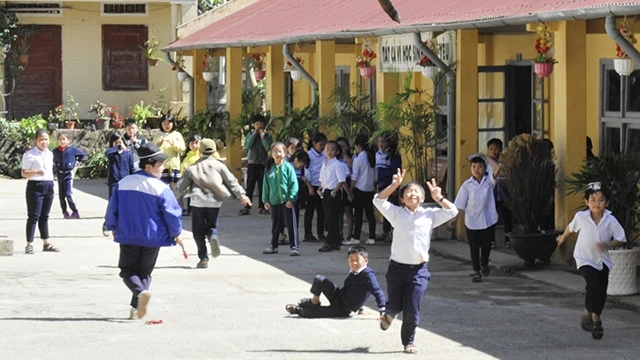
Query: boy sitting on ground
pixel 359 284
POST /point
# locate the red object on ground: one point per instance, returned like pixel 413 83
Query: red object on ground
pixel 184 252
pixel 153 322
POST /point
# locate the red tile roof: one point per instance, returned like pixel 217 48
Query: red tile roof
pixel 288 21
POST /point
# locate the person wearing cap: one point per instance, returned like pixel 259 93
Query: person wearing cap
pixel 143 215
pixel 208 183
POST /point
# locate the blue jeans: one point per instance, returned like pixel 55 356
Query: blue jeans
pixel 39 197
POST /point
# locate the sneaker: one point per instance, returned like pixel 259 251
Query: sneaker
pixel 294 252
pixel 105 232
pixel 75 215
pixel 202 264
pixel 493 245
pixel 351 241
pixel 507 245
pixel 133 314
pixel 66 215
pixel 214 242
pixel 143 302
pixel 270 250
pixel 370 242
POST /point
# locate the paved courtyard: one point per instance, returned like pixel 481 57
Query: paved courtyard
pixel 73 305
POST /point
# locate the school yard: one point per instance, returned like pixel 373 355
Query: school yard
pixel 73 305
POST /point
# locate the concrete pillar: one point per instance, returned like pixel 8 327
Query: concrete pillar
pixel 200 86
pixel 569 98
pixel 6 247
pixel 275 80
pixel 325 74
pixel 234 66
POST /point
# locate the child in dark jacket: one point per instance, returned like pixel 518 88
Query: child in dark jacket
pixel 120 165
pixel 359 284
pixel 65 158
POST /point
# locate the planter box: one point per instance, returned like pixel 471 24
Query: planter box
pixel 532 247
pixel 622 278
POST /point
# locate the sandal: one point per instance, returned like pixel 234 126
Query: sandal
pixel 385 321
pixel 597 332
pixel 476 277
pixel 48 247
pixel 292 309
pixel 410 349
pixel 586 323
pixel 28 249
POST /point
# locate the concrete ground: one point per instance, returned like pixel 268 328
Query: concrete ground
pixel 73 305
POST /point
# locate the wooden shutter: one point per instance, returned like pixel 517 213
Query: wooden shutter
pixel 124 66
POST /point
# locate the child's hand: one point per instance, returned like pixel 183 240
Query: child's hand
pixel 289 204
pixel 267 206
pixel 320 192
pixel 245 200
pixel 559 240
pixel 311 193
pixel 434 189
pixel 397 178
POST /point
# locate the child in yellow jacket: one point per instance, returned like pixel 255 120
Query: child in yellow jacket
pixel 171 144
pixel 194 153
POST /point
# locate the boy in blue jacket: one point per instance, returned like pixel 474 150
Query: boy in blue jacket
pixel 65 158
pixel 359 284
pixel 144 215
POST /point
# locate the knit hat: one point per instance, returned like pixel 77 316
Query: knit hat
pixel 208 146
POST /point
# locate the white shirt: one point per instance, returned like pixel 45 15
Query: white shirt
pixel 363 173
pixel 478 202
pixel 36 159
pixel 412 231
pixel 332 173
pixel 315 163
pixel 590 234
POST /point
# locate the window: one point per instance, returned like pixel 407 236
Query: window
pixel 124 66
pixel 124 9
pixel 619 110
pixel 35 9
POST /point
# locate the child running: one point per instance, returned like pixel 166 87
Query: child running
pixel 279 194
pixel 120 165
pixel 598 231
pixel 408 274
pixel 358 286
pixel 65 158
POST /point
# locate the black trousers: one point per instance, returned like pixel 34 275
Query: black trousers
pixel 314 203
pixel 505 214
pixel 480 245
pixel 331 213
pixel 255 173
pixel 65 194
pixel 363 203
pixel 204 221
pixel 406 285
pixel 336 308
pixel 597 282
pixel 136 265
pixel 39 196
pixel 282 216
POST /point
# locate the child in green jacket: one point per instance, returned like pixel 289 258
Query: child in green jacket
pixel 279 194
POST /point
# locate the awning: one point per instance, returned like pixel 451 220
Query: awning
pixel 269 22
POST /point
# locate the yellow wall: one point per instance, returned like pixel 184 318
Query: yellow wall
pixel 82 54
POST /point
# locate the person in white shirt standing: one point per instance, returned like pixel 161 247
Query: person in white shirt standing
pixel 37 166
pixel 363 188
pixel 333 176
pixel 476 198
pixel 312 180
pixel 408 274
pixel 598 231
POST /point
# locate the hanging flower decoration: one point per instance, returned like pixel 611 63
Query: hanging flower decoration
pixel 368 55
pixel 432 44
pixel 179 63
pixel 258 62
pixel 544 45
pixel 289 66
pixel 627 34
pixel 208 63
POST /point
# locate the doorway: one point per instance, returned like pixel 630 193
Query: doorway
pixel 522 96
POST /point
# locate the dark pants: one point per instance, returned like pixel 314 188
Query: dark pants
pixel 336 308
pixel 363 203
pixel 480 245
pixel 65 186
pixel 386 225
pixel 204 221
pixel 505 214
pixel 314 203
pixel 39 197
pixel 597 282
pixel 282 217
pixel 136 264
pixel 255 173
pixel 331 213
pixel 406 285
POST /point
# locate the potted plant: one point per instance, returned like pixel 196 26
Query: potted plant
pixel 101 109
pixel 140 112
pixel 208 67
pixel 364 61
pixel 116 120
pixel 157 107
pixel 208 123
pixel 288 66
pixel 621 174
pixel 23 52
pixel 623 64
pixel 66 113
pixel 528 164
pixel 543 63
pixel 179 66
pixel 350 117
pixel 258 65
pixel 150 51
pixel 429 69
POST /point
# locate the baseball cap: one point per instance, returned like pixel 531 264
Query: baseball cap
pixel 151 151
pixel 208 146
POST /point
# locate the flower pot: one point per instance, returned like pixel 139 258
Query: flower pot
pixel 69 124
pixel 207 76
pixel 259 74
pixel 182 76
pixel 296 75
pixel 154 122
pixel 624 67
pixel 543 69
pixel 622 277
pixel 532 247
pixel 52 126
pixel 152 62
pixel 103 123
pixel 429 72
pixel 23 59
pixel 367 72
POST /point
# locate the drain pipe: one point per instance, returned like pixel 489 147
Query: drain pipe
pixel 627 47
pixel 451 113
pixel 191 84
pixel 305 74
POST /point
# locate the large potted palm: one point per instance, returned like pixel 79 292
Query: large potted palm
pixel 621 174
pixel 529 166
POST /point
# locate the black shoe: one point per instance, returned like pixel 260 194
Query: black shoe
pixel 493 245
pixel 264 212
pixel 244 212
pixel 597 332
pixel 325 248
pixel 311 239
pixel 486 270
pixel 586 323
